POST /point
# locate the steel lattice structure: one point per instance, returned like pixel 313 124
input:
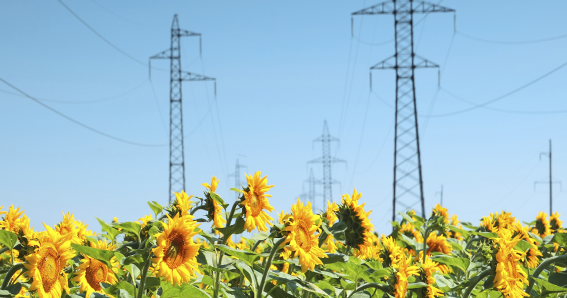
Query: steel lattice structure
pixel 408 182
pixel 176 152
pixel 236 175
pixel 326 139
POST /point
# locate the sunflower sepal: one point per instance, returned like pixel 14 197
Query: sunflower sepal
pixel 236 228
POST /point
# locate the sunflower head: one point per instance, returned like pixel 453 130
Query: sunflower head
pixel 212 206
pixel 92 272
pixel 255 202
pixel 554 222
pixel 510 279
pixel 542 227
pixel 358 224
pixel 409 230
pixel 428 269
pixel 302 237
pixel 404 270
pixel 330 213
pixel 441 211
pixel 45 266
pixel 390 252
pixel 176 252
pixel 11 221
pixel 213 186
pixel 438 244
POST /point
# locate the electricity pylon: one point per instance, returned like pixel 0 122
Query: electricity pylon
pixel 408 182
pixel 176 155
pixel 236 175
pixel 312 193
pixel 551 182
pixel 326 139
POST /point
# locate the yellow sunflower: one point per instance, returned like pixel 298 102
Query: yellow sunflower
pixel 542 227
pixel 409 230
pixel 183 202
pixel 329 243
pixel 555 223
pixel 144 220
pixel 302 238
pixel 45 266
pixel 456 235
pixel 176 253
pixel 441 211
pixel 92 272
pixel 391 253
pixel 243 244
pixel 115 219
pixel 11 219
pixel 438 244
pixel 427 270
pixel 213 207
pixel 359 229
pixel 255 202
pixel 404 271
pixel 510 278
pixel 531 258
pixel 371 252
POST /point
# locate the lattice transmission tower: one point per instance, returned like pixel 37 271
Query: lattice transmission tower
pixel 312 193
pixel 326 139
pixel 408 182
pixel 176 152
pixel 236 175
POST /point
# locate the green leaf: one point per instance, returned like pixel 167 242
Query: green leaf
pixel 334 258
pixel 135 259
pixel 133 227
pixel 376 275
pixel 412 243
pixel 486 234
pixel 12 290
pixel 457 244
pixel 218 199
pixel 156 207
pixel 8 239
pixel 460 263
pixel 560 238
pixel 108 229
pixel 327 287
pixel 465 234
pixel 443 283
pixel 114 289
pixel 353 271
pixel 99 254
pixel 416 285
pixel 152 282
pixel 247 256
pixel 559 279
pixel 185 290
pixel 535 237
pixel 250 273
pixel 236 189
pixel 278 292
pixel 236 228
pixel 523 246
pixel 549 286
pixel 407 217
pixel 124 294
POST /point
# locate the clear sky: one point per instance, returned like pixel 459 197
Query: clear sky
pixel 283 68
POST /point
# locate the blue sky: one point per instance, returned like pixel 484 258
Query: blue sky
pixel 283 68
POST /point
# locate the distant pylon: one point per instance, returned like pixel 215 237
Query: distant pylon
pixel 176 152
pixel 327 160
pixel 408 182
pixel 312 193
pixel 236 175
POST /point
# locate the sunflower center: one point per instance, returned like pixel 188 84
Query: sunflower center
pixel 95 274
pixel 255 204
pixel 48 267
pixel 175 250
pixel 302 238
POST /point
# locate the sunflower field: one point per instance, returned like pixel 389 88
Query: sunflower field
pixel 187 249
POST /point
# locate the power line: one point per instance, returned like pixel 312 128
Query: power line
pixel 81 102
pixel 80 123
pixel 511 42
pixel 103 38
pixel 476 106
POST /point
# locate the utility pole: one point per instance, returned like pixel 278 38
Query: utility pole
pixel 176 152
pixel 408 182
pixel 236 175
pixel 548 154
pixel 326 139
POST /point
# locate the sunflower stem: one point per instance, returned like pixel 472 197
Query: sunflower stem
pixel 267 268
pixel 541 267
pixel 11 273
pixel 202 207
pixel 224 239
pixel 426 234
pixel 144 275
pixel 480 277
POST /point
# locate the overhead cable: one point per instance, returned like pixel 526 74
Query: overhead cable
pixel 512 42
pixel 79 123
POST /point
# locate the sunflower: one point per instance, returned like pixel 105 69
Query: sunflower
pixel 331 216
pixel 409 230
pixel 115 219
pixel 542 227
pixel 438 244
pixel 11 219
pixel 555 223
pixel 213 207
pixel 371 252
pixel 441 211
pixel 530 258
pixel 359 229
pixel 243 244
pixel 92 272
pixel 302 238
pixel 183 203
pixel 82 231
pixel 498 221
pixel 405 270
pixel 454 222
pixel 176 253
pixel 45 266
pixel 391 253
pixel 427 270
pixel 510 278
pixel 255 202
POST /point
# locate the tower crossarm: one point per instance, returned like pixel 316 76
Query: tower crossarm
pixel 388 7
pixel 325 160
pixel 181 33
pixel 162 55
pixel 189 76
pixel 390 63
